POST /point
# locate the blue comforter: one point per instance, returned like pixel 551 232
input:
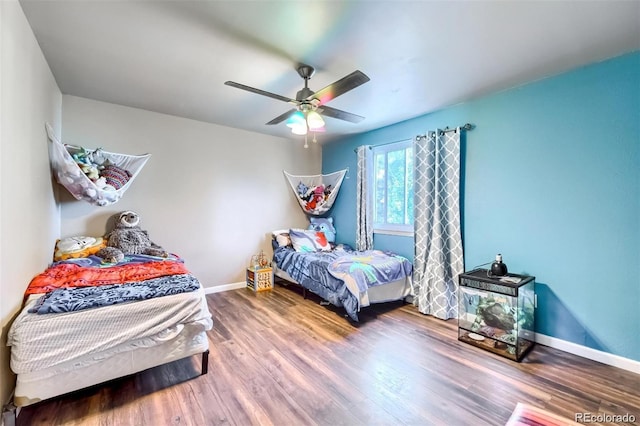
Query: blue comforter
pixel 340 276
pixel 80 298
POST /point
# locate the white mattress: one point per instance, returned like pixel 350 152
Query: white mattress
pixel 395 290
pixel 98 368
pixel 54 354
pixel 60 340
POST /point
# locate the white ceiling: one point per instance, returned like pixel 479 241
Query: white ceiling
pixel 174 56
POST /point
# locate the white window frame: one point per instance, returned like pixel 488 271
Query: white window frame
pixel 387 228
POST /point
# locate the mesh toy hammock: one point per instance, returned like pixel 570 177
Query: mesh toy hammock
pixel 122 170
pixel 316 193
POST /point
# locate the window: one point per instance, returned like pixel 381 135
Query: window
pixel 392 192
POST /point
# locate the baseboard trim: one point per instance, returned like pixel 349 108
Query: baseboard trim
pixel 224 287
pixel 589 353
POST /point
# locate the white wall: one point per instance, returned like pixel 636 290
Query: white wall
pixel 209 193
pixel 29 216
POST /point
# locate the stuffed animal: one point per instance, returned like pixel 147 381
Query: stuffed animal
pixel 91 170
pixel 101 183
pixel 82 158
pixel 327 192
pixel 302 190
pixel 128 238
pixel 324 224
pixel 315 198
pixel 97 157
pixel 318 193
pixel 310 205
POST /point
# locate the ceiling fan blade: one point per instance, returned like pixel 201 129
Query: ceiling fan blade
pixel 339 87
pixel 260 92
pixel 339 114
pixel 282 117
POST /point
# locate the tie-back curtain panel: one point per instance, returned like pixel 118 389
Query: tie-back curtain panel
pixel 438 243
pixel 364 216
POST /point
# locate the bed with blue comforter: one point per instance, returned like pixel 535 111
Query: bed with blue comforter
pixel 344 277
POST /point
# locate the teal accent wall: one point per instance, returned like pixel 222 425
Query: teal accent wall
pixel 551 179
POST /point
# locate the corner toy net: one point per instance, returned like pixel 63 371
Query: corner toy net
pixel 316 193
pixel 96 176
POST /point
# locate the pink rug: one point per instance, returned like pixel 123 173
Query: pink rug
pixel 528 415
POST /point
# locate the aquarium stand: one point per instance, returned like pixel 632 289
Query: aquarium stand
pixel 497 313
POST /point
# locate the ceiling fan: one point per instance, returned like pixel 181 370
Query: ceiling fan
pixel 309 104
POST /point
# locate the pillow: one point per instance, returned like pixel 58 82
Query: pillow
pixel 305 240
pixel 74 247
pixel 324 224
pixel 281 238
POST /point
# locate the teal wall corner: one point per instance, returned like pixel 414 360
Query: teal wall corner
pixel 550 179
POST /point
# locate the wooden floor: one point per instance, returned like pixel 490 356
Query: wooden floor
pixel 278 359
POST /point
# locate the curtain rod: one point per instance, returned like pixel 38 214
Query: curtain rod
pixel 381 144
pixel 467 126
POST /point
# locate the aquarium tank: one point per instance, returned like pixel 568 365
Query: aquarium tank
pixel 497 313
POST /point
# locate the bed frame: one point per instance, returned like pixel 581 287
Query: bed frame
pixel 394 291
pixel 80 370
pixel 10 411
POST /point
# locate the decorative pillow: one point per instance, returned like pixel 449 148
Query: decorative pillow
pixel 305 240
pixel 74 247
pixel 324 224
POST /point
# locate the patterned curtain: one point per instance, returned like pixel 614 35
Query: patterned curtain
pixel 438 245
pixel 364 219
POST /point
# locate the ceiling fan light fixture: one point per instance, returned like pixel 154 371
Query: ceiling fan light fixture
pixel 299 129
pixel 296 120
pixel 315 121
pixel 305 118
